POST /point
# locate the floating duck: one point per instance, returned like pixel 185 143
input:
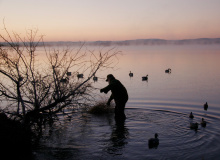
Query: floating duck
pixel 206 106
pixel 145 78
pixel 95 79
pixel 191 115
pixel 20 79
pixel 203 123
pixel 64 80
pixel 153 142
pixel 168 70
pixel 194 126
pixel 131 74
pixel 68 73
pixel 79 75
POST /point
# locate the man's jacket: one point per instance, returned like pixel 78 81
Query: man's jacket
pixel 119 92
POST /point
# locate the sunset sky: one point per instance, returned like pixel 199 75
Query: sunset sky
pixel 92 20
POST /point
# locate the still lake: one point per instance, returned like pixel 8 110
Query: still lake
pixel 160 105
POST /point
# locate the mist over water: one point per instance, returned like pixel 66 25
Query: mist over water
pixel 160 105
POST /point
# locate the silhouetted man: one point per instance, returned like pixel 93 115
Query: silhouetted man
pixel 119 94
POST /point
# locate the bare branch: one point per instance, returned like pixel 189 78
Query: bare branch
pixel 51 87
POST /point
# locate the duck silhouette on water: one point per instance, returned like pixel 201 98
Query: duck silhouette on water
pixel 194 126
pixel 95 79
pixel 203 123
pixel 145 78
pixel 79 75
pixel 131 74
pixel 191 115
pixel 168 70
pixel 153 142
pixel 206 106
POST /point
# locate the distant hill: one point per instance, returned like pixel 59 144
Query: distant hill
pixel 158 42
pixel 148 42
pixel 202 41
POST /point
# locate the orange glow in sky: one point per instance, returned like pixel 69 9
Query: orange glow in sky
pixel 92 20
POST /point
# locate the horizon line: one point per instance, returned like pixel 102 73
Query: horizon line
pixel 134 40
pixel 152 41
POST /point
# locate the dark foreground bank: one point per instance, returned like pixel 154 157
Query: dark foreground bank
pixel 15 139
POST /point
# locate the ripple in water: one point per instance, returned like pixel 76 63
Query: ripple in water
pixel 99 137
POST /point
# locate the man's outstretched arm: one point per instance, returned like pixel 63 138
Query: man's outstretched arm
pixel 110 99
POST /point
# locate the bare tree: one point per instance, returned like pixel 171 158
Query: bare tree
pixel 30 88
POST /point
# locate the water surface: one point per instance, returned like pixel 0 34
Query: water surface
pixel 160 105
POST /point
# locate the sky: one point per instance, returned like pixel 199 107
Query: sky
pixel 112 20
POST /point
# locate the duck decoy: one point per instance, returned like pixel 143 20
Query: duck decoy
pixel 191 115
pixel 95 79
pixel 131 74
pixel 206 106
pixel 68 73
pixel 145 78
pixel 194 126
pixel 20 79
pixel 79 75
pixel 153 142
pixel 64 80
pixel 168 70
pixel 203 123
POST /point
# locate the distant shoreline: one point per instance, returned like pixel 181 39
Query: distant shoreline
pixel 202 41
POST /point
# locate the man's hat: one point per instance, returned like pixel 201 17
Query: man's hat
pixel 110 76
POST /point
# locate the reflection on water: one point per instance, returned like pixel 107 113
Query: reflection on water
pixel 160 105
pixel 100 137
pixel 118 139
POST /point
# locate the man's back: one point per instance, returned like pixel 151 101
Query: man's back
pixel 119 92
